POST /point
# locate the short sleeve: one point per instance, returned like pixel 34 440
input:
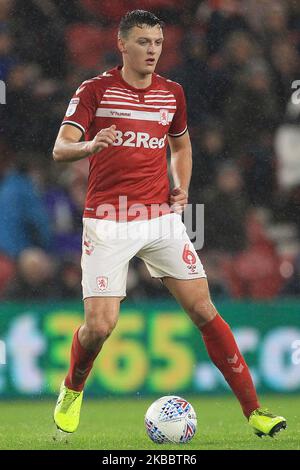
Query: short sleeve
pixel 179 123
pixel 82 107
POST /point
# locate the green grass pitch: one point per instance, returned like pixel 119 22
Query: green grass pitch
pixel 111 424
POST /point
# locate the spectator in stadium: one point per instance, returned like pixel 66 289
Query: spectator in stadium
pixel 35 277
pixel 65 202
pixel 40 23
pixel 225 211
pixel 247 281
pixel 5 10
pixel 68 280
pixel 251 107
pixel 209 153
pixel 292 286
pixel 275 24
pixel 24 222
pixel 217 282
pixel 223 21
pixel 198 79
pixel 287 148
pixel 7 59
pixel 257 161
pixel 285 62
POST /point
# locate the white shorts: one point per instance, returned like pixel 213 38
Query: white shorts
pixel 108 246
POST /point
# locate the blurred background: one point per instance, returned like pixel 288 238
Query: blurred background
pixel 237 61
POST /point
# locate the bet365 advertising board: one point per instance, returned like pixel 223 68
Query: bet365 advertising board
pixel 154 350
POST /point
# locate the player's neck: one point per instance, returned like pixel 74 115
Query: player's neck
pixel 134 79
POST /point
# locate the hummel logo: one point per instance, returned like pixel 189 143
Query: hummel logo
pixel 82 371
pixel 117 113
pixel 239 369
pixel 232 360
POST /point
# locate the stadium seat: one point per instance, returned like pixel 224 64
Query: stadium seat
pixel 85 45
pixel 255 272
pixel 7 272
pixel 111 11
pixel 171 56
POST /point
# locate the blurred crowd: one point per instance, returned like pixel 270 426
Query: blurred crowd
pixel 239 63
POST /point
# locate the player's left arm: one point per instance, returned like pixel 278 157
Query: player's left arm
pixel 181 170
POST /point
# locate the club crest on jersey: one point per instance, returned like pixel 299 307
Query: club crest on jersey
pixel 164 115
pixel 72 106
pixel 102 283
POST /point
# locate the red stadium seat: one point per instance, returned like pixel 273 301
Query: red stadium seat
pixel 158 5
pixel 7 272
pixel 85 45
pixel 107 10
pixel 113 11
pixel 254 273
pixel 171 56
pixel 110 39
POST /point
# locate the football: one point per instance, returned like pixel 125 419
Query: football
pixel 171 419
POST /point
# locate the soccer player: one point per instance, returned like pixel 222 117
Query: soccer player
pixel 123 121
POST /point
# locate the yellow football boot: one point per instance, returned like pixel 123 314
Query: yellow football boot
pixel 67 410
pixel 265 423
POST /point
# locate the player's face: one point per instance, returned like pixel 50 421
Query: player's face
pixel 142 48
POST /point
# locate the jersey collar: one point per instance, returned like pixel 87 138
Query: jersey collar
pixel 139 90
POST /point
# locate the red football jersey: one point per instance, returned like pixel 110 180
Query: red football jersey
pixel 135 166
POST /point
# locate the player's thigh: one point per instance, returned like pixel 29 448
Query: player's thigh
pixel 105 259
pixel 193 295
pixel 172 253
pixel 173 258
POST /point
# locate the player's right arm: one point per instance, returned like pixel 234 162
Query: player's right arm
pixel 68 147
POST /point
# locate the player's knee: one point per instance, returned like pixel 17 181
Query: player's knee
pixel 202 311
pixel 101 332
pixel 100 329
pixel 99 323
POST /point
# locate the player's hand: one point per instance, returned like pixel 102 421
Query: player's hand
pixel 102 140
pixel 178 200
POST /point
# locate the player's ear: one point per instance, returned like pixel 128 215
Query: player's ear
pixel 121 45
